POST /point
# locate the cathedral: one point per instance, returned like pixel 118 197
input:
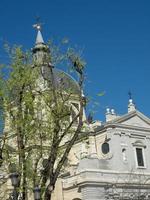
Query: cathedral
pixel 111 160
pixel 113 163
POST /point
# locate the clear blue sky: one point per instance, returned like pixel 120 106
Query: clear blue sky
pixel 114 34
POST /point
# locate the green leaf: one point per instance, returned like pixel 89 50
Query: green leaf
pixel 101 94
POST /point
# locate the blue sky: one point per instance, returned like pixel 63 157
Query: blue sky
pixel 114 34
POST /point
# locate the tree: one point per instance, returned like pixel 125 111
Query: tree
pixel 43 115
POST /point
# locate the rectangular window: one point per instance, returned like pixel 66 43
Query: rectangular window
pixel 139 155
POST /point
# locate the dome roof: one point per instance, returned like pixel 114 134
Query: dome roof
pixel 62 80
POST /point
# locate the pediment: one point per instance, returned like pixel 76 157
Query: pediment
pixel 135 118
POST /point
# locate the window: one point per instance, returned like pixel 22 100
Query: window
pixel 105 148
pixel 139 155
pixel 124 156
pixel 139 149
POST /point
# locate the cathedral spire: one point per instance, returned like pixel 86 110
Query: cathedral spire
pixel 39 38
pixel 41 50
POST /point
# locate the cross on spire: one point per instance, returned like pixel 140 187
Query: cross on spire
pixel 131 105
pixel 38 25
pixel 130 95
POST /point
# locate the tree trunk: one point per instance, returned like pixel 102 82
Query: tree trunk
pixel 48 194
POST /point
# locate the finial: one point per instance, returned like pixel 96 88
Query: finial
pixel 131 105
pixel 107 110
pixel 130 94
pixel 112 111
pixel 130 97
pixel 38 25
pixel 110 114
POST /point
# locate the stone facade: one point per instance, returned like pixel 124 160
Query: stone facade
pixel 113 161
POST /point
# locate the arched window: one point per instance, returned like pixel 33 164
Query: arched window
pixel 105 148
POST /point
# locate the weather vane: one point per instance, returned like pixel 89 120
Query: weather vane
pixel 130 95
pixel 38 25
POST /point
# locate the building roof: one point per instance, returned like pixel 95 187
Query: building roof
pixel 39 38
pixel 62 80
pixel 130 115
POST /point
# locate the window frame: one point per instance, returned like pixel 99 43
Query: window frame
pixel 143 155
pixel 104 143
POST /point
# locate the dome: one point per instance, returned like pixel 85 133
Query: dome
pixel 62 80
